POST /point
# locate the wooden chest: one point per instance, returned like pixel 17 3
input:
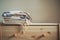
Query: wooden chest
pixel 39 31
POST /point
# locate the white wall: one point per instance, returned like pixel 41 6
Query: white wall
pixel 40 10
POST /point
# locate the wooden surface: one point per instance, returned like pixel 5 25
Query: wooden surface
pixel 37 32
pixel 0 32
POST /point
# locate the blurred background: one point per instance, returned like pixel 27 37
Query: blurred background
pixel 42 11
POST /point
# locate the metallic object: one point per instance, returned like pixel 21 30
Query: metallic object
pixel 15 17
